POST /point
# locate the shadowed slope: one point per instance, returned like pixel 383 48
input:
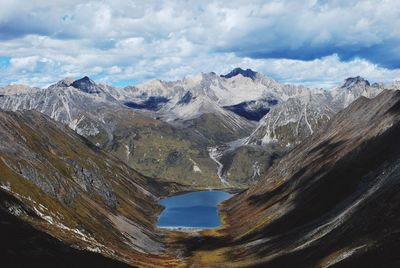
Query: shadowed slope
pixel 24 246
pixel 332 201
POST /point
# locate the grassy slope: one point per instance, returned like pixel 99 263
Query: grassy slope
pixel 38 160
pixel 171 153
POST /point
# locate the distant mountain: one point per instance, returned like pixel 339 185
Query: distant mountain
pixel 353 88
pixel 82 112
pixel 133 134
pixel 297 118
pixel 193 96
pixel 87 85
pixel 245 73
pixel 83 166
pixel 17 89
pixel 208 112
pixel 293 120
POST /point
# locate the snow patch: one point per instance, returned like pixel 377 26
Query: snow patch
pixel 74 123
pixel 215 155
pixel 196 168
pixel 128 151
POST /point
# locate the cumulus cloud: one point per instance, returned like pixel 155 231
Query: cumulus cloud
pixel 24 63
pixel 310 41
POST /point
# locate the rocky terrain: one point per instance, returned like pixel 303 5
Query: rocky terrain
pixel 195 130
pixel 297 118
pixel 178 152
pixel 331 202
pixel 327 199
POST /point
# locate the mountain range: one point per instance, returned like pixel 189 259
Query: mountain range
pixel 206 122
pixel 315 171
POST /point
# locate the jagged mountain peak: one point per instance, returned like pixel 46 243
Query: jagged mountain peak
pixel 86 84
pixel 353 88
pixel 246 73
pixel 357 80
pixel 65 82
pixel 85 80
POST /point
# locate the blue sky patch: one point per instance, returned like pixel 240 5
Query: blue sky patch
pixel 124 83
pixel 5 62
pixel 317 43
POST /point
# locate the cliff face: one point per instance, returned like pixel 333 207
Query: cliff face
pixel 59 183
pixel 332 201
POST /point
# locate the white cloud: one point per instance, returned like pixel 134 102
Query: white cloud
pixel 293 41
pixel 114 70
pixel 24 63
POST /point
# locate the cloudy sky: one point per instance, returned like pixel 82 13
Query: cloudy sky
pixel 318 43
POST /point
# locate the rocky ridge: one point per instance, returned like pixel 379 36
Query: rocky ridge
pixel 208 112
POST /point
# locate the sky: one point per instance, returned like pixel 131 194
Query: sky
pixel 121 42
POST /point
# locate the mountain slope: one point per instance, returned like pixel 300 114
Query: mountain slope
pixel 196 118
pixel 93 113
pixel 331 202
pixel 297 118
pixel 293 121
pixel 209 93
pixel 222 108
pixel 22 245
pixel 65 186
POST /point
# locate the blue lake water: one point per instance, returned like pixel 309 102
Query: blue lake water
pixel 193 210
